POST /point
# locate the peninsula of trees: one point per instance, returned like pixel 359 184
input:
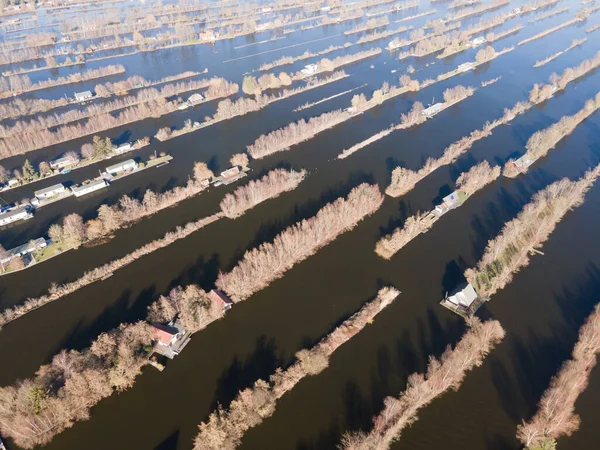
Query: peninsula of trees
pixel 225 428
pixel 556 416
pixel 442 375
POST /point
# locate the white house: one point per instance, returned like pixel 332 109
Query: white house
pixel 478 41
pixel 129 164
pixel 88 188
pixel 50 191
pixel 25 249
pixel 195 99
pixel 309 69
pixel 124 148
pixel 432 110
pixel 62 162
pixel 463 297
pixel 15 214
pixel 465 67
pixel 83 96
pixel 263 26
pixel 394 44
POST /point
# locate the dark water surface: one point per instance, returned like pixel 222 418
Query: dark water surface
pixel 541 309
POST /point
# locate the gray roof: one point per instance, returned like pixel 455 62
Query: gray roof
pixel 83 94
pixel 48 189
pixel 37 243
pixel 88 185
pixel 116 167
pixel 13 212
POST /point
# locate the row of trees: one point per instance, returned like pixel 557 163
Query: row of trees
pixel 283 138
pixel 270 186
pixel 96 109
pixel 157 107
pixel 56 292
pixel 225 429
pixel 329 65
pixel 371 37
pixel 556 416
pixel 264 264
pixel 506 254
pixel 285 60
pixel 16 84
pixel 442 374
pixel 415 115
pixel 542 141
pixel 129 209
pixel 468 183
pixel 468 12
pixel 553 29
pixel 575 43
pixel 227 109
pixel 254 86
pixel 369 25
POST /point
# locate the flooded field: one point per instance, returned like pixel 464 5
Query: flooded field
pixel 541 310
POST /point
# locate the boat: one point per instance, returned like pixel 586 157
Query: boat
pixel 2 447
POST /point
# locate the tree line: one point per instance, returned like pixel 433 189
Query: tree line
pixel 16 84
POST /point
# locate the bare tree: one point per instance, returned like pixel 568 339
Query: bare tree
pixel 270 186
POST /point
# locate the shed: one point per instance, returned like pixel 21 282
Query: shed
pixel 478 41
pixel 82 96
pixel 50 191
pixel 128 164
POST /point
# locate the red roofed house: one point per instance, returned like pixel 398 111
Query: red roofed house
pixel 170 339
pixel 219 298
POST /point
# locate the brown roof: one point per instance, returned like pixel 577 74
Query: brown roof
pixel 219 297
pixel 164 334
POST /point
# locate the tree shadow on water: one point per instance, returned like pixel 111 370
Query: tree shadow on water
pixel 268 231
pixel 260 364
pixel 169 443
pixel 120 311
